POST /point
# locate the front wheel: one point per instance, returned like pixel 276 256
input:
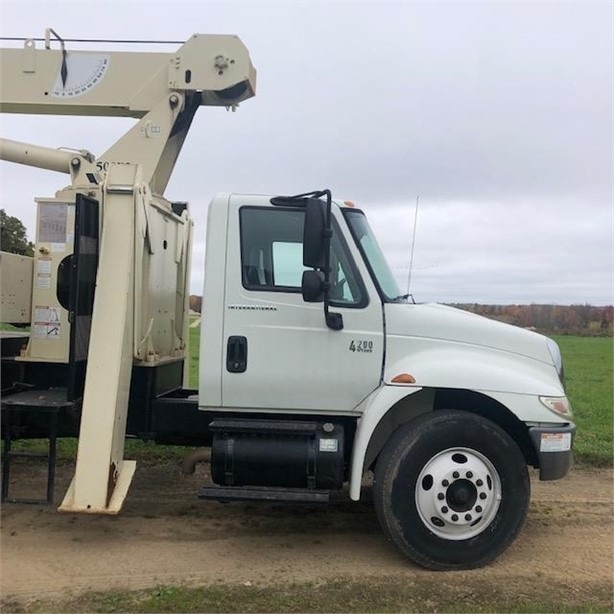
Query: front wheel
pixel 451 490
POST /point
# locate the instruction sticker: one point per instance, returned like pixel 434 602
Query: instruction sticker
pixel 43 273
pixel 555 442
pixel 52 223
pixel 329 445
pixel 43 265
pixel 46 322
pixel 43 281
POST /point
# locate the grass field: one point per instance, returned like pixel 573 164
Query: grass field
pixel 193 342
pixel 589 381
pixel 340 595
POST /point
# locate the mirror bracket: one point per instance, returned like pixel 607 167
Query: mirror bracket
pixel 317 236
pixel 334 321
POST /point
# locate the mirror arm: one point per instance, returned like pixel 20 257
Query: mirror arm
pixel 334 321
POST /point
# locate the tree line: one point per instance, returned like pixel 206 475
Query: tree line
pixel 559 319
pixel 13 235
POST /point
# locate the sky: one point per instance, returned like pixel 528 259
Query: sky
pixel 498 115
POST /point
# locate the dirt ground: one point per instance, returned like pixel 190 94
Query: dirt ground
pixel 166 536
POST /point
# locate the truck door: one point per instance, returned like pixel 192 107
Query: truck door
pixel 278 352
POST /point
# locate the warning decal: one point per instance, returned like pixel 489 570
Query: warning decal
pixel 52 223
pixel 555 442
pixel 46 322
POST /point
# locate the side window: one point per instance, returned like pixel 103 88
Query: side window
pixel 271 248
pixel 272 256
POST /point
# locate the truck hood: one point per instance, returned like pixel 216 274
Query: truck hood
pixel 439 322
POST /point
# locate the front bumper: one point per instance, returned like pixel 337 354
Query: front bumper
pixel 553 447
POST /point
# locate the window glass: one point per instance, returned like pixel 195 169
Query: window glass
pixel 272 256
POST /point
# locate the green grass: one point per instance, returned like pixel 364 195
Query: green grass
pixel 10 327
pixel 589 383
pixel 396 594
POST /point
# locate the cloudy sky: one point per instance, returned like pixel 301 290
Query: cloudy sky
pixel 497 114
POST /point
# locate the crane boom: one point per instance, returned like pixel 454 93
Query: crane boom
pixel 121 83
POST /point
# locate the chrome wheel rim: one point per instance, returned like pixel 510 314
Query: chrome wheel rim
pixel 458 493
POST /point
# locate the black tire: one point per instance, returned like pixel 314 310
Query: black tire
pixel 427 487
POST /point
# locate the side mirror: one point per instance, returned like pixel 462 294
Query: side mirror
pixel 314 235
pixel 313 286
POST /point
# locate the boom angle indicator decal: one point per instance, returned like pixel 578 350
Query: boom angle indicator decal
pixel 83 72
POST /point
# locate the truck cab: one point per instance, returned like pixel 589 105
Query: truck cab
pixel 444 406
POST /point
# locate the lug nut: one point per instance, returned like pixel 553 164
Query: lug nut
pixel 456 474
pixel 478 508
pixel 454 517
pixel 482 495
pixel 441 496
pixel 444 510
pixel 467 517
pixel 469 474
pixel 445 483
pixel 479 482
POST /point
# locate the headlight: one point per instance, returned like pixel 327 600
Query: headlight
pixel 558 405
pixel 557 359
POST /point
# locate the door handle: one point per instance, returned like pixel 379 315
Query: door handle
pixel 236 354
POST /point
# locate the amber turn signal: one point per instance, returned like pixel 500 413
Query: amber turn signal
pixel 403 378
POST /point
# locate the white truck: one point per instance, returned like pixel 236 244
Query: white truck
pixel 314 369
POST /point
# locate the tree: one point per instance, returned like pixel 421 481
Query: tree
pixel 13 236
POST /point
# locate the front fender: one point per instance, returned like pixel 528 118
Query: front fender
pixel 374 408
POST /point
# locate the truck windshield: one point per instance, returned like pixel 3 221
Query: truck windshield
pixel 373 255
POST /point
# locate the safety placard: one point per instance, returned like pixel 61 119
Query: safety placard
pixel 329 445
pixel 43 273
pixel 43 265
pixel 555 442
pixel 52 222
pixel 47 323
pixel 43 281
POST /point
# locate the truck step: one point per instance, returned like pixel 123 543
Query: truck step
pixel 265 494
